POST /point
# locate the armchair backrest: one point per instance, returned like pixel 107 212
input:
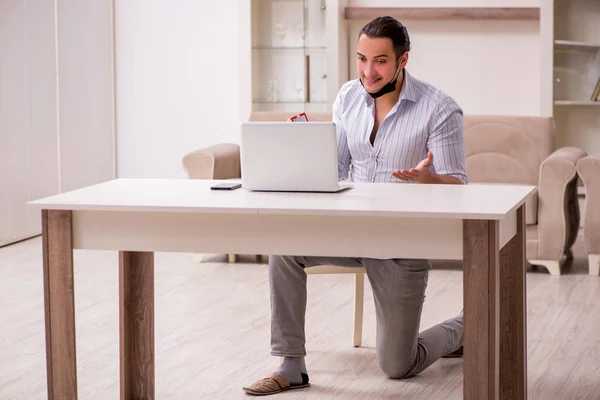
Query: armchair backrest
pixel 504 149
pixel 508 149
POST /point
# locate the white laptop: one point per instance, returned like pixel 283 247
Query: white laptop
pixel 290 157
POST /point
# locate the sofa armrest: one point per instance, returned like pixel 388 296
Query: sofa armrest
pixel 221 161
pixel 558 209
pixel 589 171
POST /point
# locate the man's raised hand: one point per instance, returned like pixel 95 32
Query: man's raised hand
pixel 420 174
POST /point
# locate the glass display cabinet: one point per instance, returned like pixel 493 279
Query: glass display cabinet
pixel 290 55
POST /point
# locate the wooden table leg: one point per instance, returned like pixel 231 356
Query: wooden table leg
pixel 59 304
pixel 513 315
pixel 481 310
pixel 136 294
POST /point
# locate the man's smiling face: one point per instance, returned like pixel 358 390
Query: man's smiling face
pixel 375 62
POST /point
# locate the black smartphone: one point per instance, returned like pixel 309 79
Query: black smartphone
pixel 226 186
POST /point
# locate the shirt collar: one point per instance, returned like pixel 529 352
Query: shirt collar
pixel 408 88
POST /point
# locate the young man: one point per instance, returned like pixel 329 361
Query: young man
pixel 391 128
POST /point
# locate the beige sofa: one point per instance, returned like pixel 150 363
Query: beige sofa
pixel 589 171
pixel 499 149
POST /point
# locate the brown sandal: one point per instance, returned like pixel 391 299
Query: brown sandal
pixel 275 383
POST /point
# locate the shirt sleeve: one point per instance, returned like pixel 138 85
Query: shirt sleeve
pixel 446 141
pixel 344 157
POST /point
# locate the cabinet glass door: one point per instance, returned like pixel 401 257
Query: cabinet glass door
pixel 316 55
pixel 288 55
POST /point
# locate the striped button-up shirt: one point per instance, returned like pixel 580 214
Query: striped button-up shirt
pixel 424 119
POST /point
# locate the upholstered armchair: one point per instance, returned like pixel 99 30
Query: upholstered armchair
pixel 589 171
pixel 520 150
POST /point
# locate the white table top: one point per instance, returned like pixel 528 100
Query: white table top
pixel 472 201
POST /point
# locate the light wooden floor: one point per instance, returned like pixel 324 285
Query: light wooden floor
pixel 212 331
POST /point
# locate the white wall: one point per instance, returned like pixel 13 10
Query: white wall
pixel 177 77
pixel 490 67
pixel 86 92
pixel 496 72
pixel 183 78
pixel 56 104
pixel 443 3
pixel 28 157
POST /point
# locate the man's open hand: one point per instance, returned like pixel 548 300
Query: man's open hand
pixel 420 174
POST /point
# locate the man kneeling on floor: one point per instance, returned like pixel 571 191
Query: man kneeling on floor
pixel 391 127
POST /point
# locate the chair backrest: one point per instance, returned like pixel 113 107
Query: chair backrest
pixel 214 162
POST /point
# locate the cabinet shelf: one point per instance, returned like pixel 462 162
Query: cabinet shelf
pixel 576 103
pixel 456 13
pixel 575 45
pixel 572 44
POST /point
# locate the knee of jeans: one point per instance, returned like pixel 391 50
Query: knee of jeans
pixel 395 368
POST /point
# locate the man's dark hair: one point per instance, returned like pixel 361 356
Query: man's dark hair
pixel 388 27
